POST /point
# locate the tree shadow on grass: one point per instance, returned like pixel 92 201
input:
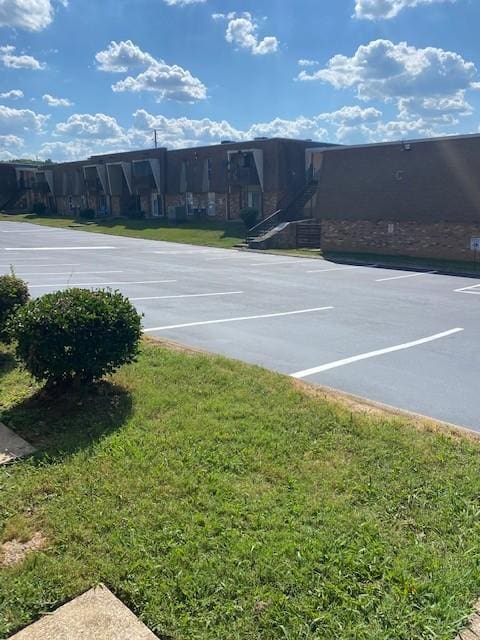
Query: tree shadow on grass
pixel 70 421
pixel 7 363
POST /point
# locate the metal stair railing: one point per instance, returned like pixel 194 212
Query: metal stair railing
pixel 284 213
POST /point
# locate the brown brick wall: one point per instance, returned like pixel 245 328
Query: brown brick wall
pixel 270 202
pixel 443 240
pixel 434 181
pixel 177 200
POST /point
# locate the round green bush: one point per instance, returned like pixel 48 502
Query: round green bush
pixel 87 214
pixel 76 335
pixel 39 208
pixel 13 294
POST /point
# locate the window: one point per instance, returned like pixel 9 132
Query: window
pixel 246 161
pixel 141 169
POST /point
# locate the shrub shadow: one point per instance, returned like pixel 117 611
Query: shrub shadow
pixel 71 421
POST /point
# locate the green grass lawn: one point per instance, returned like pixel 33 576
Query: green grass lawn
pixel 209 233
pixel 219 500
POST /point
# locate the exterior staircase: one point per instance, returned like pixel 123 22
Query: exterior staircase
pixel 8 201
pixel 292 212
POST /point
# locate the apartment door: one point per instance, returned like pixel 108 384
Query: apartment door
pixel 254 199
pixel 157 206
pixel 212 209
pixel 103 206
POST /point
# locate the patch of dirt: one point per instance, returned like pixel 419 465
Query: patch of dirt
pixel 13 552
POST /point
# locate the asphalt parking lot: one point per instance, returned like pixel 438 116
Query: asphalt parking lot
pixel 407 339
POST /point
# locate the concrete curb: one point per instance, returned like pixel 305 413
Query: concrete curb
pixel 365 405
pixel 357 403
pixel 404 267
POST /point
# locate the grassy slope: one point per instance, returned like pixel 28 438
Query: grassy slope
pixel 219 501
pixel 215 234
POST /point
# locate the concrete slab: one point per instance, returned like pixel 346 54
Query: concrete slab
pixel 95 615
pixel 12 446
pixel 472 631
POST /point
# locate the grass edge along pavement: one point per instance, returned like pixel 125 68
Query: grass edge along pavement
pixel 220 500
pixel 203 233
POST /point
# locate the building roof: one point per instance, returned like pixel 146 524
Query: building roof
pixel 404 141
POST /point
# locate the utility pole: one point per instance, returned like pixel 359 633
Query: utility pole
pixel 155 138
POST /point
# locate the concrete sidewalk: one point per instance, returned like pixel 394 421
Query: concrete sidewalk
pixel 95 615
pixel 12 446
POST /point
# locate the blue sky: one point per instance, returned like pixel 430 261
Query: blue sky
pixel 83 76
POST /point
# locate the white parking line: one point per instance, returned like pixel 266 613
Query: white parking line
pixel 96 284
pixel 469 290
pixel 410 275
pixel 25 260
pixel 189 295
pixel 57 248
pixel 175 253
pixel 268 315
pixel 28 265
pixel 224 258
pixel 34 230
pixel 67 273
pixel 373 354
pixel 273 264
pixel 333 269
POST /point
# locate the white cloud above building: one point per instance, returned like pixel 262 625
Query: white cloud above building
pixel 165 81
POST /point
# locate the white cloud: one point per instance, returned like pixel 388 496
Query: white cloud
pixel 184 132
pixel 242 31
pixel 384 70
pixel 121 57
pixel 307 63
pixel 98 126
pixel 33 15
pixel 13 94
pixel 351 116
pixel 84 134
pixel 300 127
pixel 56 102
pixel 386 9
pixel 13 61
pixel 166 81
pixel 181 132
pixel 17 121
pixel 76 149
pixel 11 141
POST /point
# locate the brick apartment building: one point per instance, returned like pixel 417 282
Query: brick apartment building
pixel 419 198
pixel 215 182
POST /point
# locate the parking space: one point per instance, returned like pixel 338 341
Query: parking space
pixel 409 339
